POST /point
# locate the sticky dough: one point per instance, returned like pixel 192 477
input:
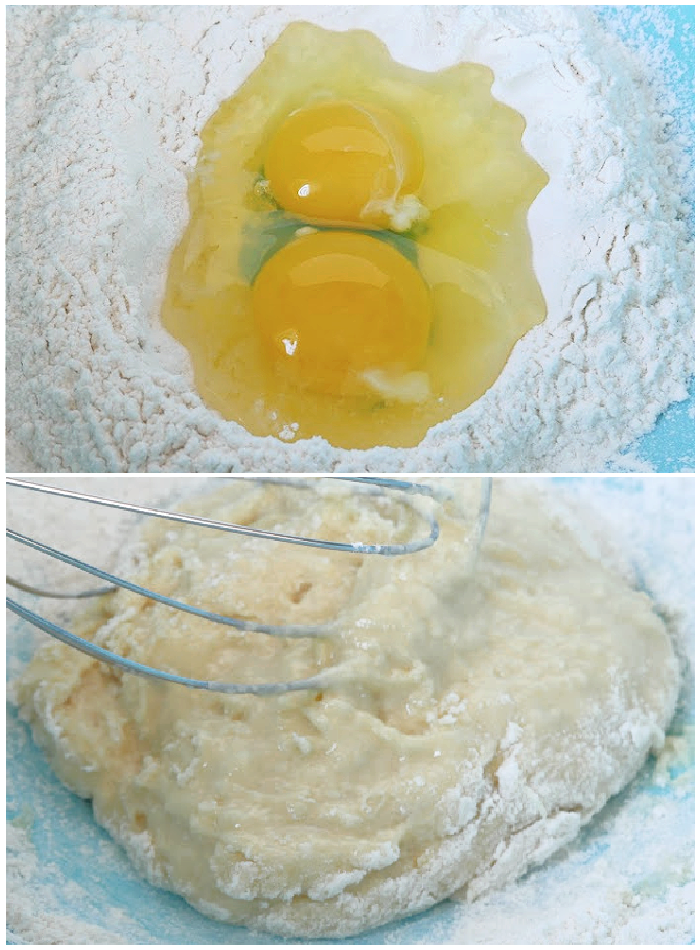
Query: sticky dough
pixel 476 721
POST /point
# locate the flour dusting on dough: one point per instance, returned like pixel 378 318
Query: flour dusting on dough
pixel 478 723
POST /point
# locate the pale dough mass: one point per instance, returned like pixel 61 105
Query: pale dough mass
pixel 476 721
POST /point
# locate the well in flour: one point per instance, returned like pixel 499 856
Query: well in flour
pixel 105 110
pixel 357 263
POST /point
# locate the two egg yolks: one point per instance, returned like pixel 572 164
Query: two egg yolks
pixel 334 307
pixel 357 263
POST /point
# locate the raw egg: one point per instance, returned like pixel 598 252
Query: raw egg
pixel 357 263
pixel 343 162
pixel 333 306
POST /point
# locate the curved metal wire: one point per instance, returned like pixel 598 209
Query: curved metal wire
pixel 246 625
pixel 356 547
pixel 139 669
pixel 261 689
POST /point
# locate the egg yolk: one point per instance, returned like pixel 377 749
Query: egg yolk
pixel 343 162
pixel 333 307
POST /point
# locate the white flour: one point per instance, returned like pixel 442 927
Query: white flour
pixel 626 879
pixel 104 110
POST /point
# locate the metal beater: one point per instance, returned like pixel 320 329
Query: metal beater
pixel 363 485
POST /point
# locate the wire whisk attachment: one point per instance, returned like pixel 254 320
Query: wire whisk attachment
pixel 404 493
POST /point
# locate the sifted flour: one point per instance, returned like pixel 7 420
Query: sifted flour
pixel 104 111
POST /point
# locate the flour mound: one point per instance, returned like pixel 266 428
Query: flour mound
pixel 105 106
pixel 472 721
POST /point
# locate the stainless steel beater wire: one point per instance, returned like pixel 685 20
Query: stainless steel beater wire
pixel 38 592
pixel 259 689
pixel 356 547
pixel 247 625
pixel 484 509
pixel 131 666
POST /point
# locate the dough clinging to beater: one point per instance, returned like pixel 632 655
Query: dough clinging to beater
pixel 479 731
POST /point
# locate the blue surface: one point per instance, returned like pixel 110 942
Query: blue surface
pixel 670 447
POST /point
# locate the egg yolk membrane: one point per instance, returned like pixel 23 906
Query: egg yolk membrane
pixel 357 263
pixel 344 163
pixel 335 306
